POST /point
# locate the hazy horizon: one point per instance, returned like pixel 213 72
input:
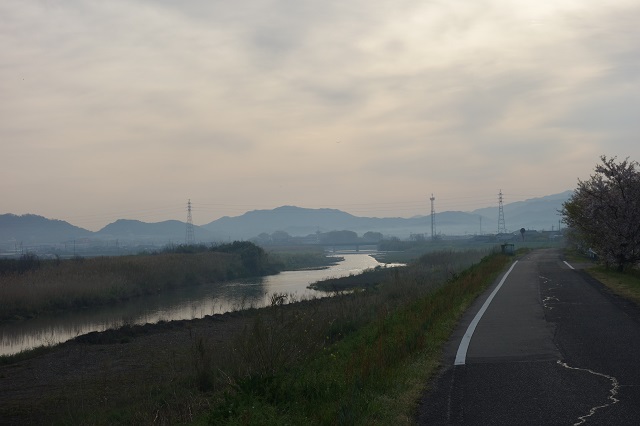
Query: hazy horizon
pixel 205 221
pixel 127 109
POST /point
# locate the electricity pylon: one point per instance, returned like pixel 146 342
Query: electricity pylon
pixel 502 227
pixel 433 218
pixel 190 238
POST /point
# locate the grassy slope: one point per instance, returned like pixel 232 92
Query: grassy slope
pixel 625 284
pixel 373 376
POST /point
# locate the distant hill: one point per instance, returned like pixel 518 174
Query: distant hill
pixel 298 221
pixel 295 220
pixel 158 232
pixel 31 228
pixel 536 213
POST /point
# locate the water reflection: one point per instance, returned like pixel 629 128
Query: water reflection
pixel 186 303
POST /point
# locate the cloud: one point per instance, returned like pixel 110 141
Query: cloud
pixel 306 101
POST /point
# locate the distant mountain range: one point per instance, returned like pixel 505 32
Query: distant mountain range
pixel 31 228
pixel 536 213
pixel 167 231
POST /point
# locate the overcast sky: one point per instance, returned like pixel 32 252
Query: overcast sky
pixel 127 109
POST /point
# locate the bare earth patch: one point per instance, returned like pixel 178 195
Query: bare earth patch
pixel 108 368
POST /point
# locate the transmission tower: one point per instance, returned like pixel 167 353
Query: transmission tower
pixel 502 228
pixel 190 238
pixel 433 218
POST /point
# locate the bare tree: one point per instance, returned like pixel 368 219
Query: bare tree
pixel 604 212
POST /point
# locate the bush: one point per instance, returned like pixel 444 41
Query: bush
pixel 26 262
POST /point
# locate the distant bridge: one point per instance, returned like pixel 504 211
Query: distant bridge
pixel 356 245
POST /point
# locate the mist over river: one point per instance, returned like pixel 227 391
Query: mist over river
pixel 184 303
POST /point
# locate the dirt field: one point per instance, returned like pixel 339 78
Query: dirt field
pixel 108 368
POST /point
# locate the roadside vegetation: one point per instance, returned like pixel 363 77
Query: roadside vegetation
pixel 394 250
pixel 368 280
pixel 625 284
pixel 603 217
pixel 370 354
pixel 360 357
pixel 30 286
pixel 440 261
pixel 603 214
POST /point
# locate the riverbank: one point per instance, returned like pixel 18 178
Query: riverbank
pixel 181 303
pixel 365 281
pixel 32 287
pixel 240 365
pixel 129 369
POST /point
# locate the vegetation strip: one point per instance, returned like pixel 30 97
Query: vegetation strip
pixel 625 284
pixel 32 286
pixel 350 381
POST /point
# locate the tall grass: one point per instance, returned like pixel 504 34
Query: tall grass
pixel 29 286
pixel 79 283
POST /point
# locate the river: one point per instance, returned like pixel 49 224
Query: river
pixel 185 303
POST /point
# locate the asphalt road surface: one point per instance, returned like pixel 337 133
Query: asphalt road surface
pixel 552 347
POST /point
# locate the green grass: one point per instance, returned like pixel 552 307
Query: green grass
pixel 368 280
pixel 24 355
pixel 373 375
pixel 625 284
pixel 407 252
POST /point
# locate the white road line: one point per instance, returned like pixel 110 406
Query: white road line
pixel 461 356
pixel 567 263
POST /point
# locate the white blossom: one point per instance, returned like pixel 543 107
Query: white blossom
pixel 604 212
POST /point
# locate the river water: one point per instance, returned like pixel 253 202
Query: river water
pixel 184 303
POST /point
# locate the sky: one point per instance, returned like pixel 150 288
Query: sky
pixel 128 109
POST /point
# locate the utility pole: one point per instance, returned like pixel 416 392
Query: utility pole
pixel 190 238
pixel 433 218
pixel 502 228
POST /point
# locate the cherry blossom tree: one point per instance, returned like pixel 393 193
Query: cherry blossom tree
pixel 604 212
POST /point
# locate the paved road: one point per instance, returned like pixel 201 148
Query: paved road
pixel 553 347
